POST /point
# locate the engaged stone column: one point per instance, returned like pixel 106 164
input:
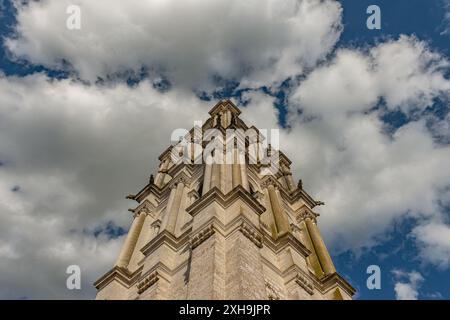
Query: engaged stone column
pixel 244 177
pixel 153 232
pixel 290 181
pixel 131 240
pixel 215 176
pixel 207 178
pixel 236 169
pixel 278 213
pixel 319 245
pixel 313 259
pixel 173 210
pixel 162 173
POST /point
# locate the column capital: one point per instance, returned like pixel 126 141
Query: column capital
pixel 156 223
pixel 270 182
pixel 146 206
pixel 181 179
pixel 139 213
pixel 305 213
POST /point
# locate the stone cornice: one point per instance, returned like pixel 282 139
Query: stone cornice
pixel 121 275
pixel 305 212
pixel 284 241
pixel 202 236
pixel 215 195
pixel 225 105
pixel 185 169
pixel 239 223
pixel 143 281
pixel 165 153
pixel 167 238
pixel 328 282
pixel 303 282
pixel 302 194
pixel 324 284
pixel 161 192
pixel 284 158
pixel 251 233
pixel 147 281
pixel 146 206
pixel 290 196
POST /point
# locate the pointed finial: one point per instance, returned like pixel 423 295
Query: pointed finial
pixel 219 121
pixel 234 120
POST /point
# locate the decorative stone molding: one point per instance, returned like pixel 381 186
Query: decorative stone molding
pixel 182 178
pixel 304 212
pixel 147 282
pixel 165 238
pixel 252 234
pixel 270 181
pixel 156 226
pixel 265 227
pixel 145 207
pixel 259 197
pixel 202 236
pixel 329 282
pixel 193 196
pixel 284 241
pixel 296 230
pixel 303 282
pixel 271 292
pixel 215 195
pixel 122 275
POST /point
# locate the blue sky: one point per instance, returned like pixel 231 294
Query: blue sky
pixel 420 18
pixel 393 245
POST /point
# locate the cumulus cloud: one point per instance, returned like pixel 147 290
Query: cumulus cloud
pixel 446 22
pixel 368 177
pixel 70 154
pixel 408 285
pixel 434 243
pixel 404 72
pixel 258 42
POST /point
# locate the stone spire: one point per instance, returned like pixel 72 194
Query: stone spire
pixel 233 226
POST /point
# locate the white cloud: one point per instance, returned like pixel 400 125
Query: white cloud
pixel 74 151
pixel 65 145
pixel 446 21
pixel 408 289
pixel 405 72
pixel 367 177
pixel 256 41
pixel 434 242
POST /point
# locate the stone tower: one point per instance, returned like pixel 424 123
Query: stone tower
pixel 223 230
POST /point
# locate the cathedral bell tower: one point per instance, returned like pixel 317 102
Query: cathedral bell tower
pixel 209 229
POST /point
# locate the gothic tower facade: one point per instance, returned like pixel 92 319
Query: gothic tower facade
pixel 223 230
